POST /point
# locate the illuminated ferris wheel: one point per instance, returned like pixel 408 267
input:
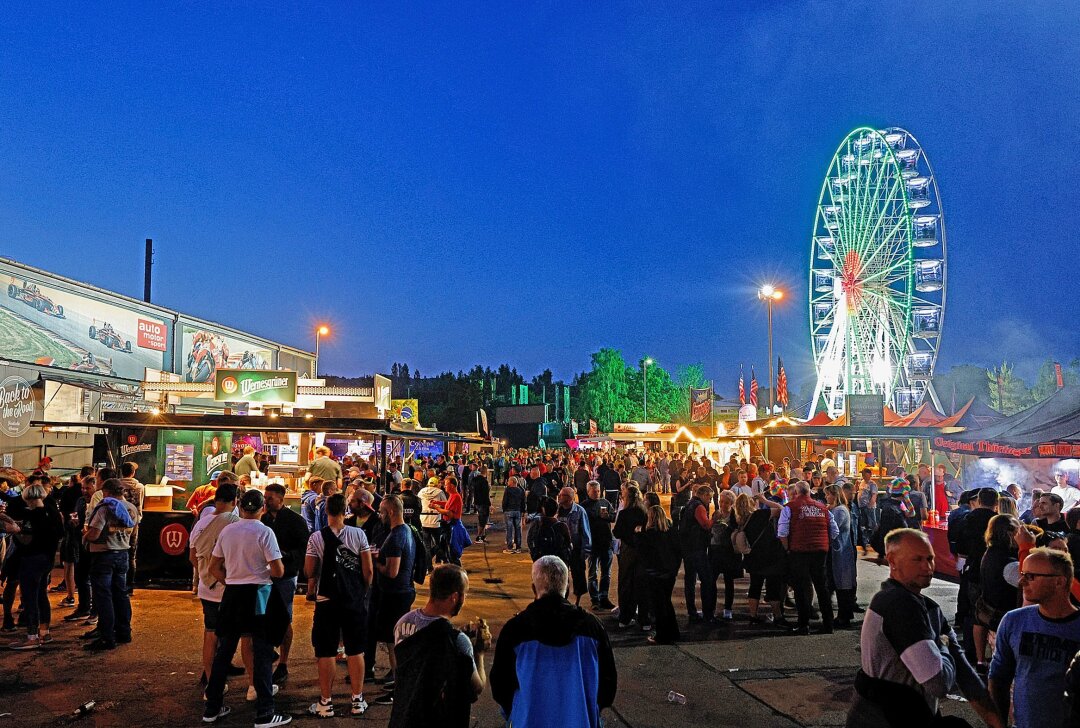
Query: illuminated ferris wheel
pixel 877 272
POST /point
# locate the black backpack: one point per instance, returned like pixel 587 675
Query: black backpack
pixel 346 576
pixel 889 519
pixel 422 561
pixel 549 539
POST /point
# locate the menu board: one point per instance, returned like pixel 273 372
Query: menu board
pixel 179 462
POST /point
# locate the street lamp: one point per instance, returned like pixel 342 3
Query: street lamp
pixel 770 294
pixel 321 331
pixel 645 386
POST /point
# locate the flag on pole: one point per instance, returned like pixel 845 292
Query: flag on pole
pixel 742 389
pixel 781 383
pixel 753 387
pixel 700 404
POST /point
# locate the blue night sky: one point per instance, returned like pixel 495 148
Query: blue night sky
pixel 461 183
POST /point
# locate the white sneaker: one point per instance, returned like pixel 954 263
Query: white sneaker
pixel 225 710
pixel 359 705
pixel 251 693
pixel 727 614
pixel 646 628
pixel 322 710
pixel 275 720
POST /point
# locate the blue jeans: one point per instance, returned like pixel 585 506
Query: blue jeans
pixel 599 562
pixel 108 582
pixel 34 573
pixel 513 529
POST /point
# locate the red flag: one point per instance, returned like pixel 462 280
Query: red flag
pixel 742 389
pixel 781 383
pixel 753 387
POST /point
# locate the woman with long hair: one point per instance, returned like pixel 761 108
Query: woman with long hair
pixel 843 557
pixel 660 560
pixel 629 523
pixel 766 561
pixel 725 560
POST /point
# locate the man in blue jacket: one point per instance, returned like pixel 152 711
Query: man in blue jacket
pixel 548 646
pixel 577 520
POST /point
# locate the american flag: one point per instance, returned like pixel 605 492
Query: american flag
pixel 781 383
pixel 753 387
pixel 742 389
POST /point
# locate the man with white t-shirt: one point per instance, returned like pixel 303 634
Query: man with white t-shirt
pixel 341 582
pixel 204 536
pixel 245 558
pixel 1070 495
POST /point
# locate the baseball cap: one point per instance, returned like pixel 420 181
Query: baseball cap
pixel 252 500
pixel 433 482
pixel 365 498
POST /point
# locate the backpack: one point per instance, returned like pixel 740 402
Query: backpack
pixel 347 580
pixel 890 518
pixel 422 561
pixel 548 539
pixel 741 543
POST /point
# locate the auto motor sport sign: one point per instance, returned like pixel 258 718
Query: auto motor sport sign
pixel 255 385
pixel 16 406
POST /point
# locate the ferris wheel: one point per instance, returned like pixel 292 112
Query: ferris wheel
pixel 877 273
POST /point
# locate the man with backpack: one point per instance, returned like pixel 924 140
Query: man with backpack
pixel 338 564
pixel 695 529
pixel 440 670
pixel 549 536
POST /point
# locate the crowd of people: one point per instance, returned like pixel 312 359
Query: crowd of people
pixel 365 537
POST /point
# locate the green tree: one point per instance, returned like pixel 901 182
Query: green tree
pixel 603 391
pixel 1046 381
pixel 959 384
pixel 1008 393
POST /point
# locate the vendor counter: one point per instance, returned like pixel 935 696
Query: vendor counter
pixel 945 566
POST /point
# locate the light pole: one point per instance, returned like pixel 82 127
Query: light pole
pixel 320 331
pixel 769 294
pixel 645 386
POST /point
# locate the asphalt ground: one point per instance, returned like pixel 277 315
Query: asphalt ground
pixel 735 674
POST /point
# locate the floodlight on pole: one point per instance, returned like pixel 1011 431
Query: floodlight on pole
pixel 645 386
pixel 320 331
pixel 770 294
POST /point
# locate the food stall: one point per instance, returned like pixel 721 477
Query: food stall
pixel 178 453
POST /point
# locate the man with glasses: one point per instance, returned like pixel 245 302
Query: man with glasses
pixel 1036 644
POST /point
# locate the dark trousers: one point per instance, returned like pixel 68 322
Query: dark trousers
pixel 108 579
pixel 483 513
pixel 82 582
pixel 667 626
pixel 806 574
pixel 845 604
pixel 371 643
pixel 599 573
pixel 696 566
pixel 264 656
pixel 632 600
pixel 34 573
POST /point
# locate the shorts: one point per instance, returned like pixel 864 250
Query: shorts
pixel 333 625
pixel 210 614
pixel 392 607
pixel 287 589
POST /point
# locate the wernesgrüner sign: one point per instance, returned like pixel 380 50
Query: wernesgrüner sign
pixel 254 385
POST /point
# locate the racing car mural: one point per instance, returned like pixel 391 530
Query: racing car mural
pixel 33 297
pixel 88 363
pixel 107 335
pixel 209 351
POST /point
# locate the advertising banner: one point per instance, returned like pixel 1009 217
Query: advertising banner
pixel 204 350
pixel 50 322
pixel 246 385
pixel 382 394
pixel 405 410
pixel 700 404
pixel 16 406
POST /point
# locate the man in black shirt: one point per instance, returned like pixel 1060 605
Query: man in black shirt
pixel 292 536
pixel 601 515
pixel 972 546
pixel 410 502
pixel 1048 509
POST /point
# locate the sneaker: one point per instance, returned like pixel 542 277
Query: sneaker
pixel 32 642
pixel 8 629
pixel 91 635
pixel 251 693
pixel 46 638
pixel 66 602
pixel 224 711
pixel 727 615
pixel 646 628
pixel 624 625
pixel 386 678
pixel 61 587
pixel 509 551
pixel 274 720
pixel 281 674
pixel 91 620
pixel 99 645
pixel 77 616
pixel 384 699
pixel 359 705
pixel 606 604
pixel 322 709
pixel 388 685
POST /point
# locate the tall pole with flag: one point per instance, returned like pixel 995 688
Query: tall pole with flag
pixel 753 386
pixel 742 388
pixel 781 385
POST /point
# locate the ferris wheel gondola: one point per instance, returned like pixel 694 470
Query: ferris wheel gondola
pixel 877 272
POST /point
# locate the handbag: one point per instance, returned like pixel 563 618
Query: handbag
pixel 741 543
